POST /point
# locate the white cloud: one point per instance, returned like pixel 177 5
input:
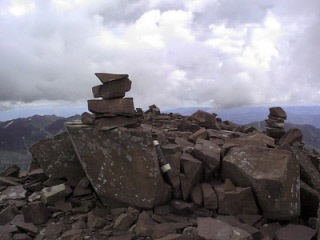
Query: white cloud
pixel 223 53
pixel 21 7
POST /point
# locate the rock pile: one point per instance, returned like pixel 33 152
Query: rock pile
pixel 113 110
pixel 226 182
pixel 275 123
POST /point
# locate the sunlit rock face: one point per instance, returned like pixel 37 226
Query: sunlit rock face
pixel 273 175
pixel 121 165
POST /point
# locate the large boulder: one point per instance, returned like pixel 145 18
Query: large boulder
pixel 273 176
pixel 121 165
pixel 57 157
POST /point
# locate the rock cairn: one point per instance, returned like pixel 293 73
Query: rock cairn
pixel 275 123
pixel 113 110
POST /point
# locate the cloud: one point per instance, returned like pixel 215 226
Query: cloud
pixel 177 53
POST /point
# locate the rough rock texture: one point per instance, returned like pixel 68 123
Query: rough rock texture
pixel 273 176
pixel 108 77
pixel 118 106
pixel 204 119
pixel 125 164
pixel 56 156
pixel 112 89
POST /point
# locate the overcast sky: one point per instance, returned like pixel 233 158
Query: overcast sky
pixel 219 53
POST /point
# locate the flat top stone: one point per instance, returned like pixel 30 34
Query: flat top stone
pixel 107 77
pixel 277 112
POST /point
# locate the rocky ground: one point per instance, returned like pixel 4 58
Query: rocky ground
pixel 225 182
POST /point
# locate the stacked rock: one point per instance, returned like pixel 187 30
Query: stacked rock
pixel 113 110
pixel 275 123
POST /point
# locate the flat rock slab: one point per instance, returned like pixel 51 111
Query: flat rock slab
pixel 114 122
pixel 121 106
pixel 121 165
pixel 295 232
pixel 13 193
pixel 107 77
pixel 112 89
pixel 273 175
pixel 57 157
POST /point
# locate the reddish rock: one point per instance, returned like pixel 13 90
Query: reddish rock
pixel 57 157
pixel 186 187
pixel 200 134
pixel 36 212
pixel 164 229
pixel 95 222
pixel 114 122
pixel 87 118
pixel 192 168
pixel 292 136
pixel 278 192
pixel 196 195
pixel 71 234
pixel 145 225
pixel 112 89
pixel 126 220
pixel 310 200
pixel 119 106
pixel 108 77
pixel 209 196
pixel 130 177
pixel 209 153
pixel 275 132
pixel 204 119
pixel 183 143
pixel 308 172
pixel 53 231
pixel 258 139
pixel 7 214
pixel 172 153
pixel 37 174
pixel 12 171
pixel 268 230
pixel 238 202
pixel 21 224
pixel 295 232
pixel 211 229
pixel 277 112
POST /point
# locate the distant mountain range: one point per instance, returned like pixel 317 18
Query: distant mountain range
pixel 18 134
pixel 244 115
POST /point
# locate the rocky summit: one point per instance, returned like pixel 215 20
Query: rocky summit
pixel 123 173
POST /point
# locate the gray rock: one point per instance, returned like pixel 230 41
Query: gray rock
pixel 121 165
pixel 57 157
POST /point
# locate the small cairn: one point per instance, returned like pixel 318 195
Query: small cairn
pixel 275 123
pixel 113 110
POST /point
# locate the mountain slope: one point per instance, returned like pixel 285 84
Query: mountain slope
pixel 17 135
